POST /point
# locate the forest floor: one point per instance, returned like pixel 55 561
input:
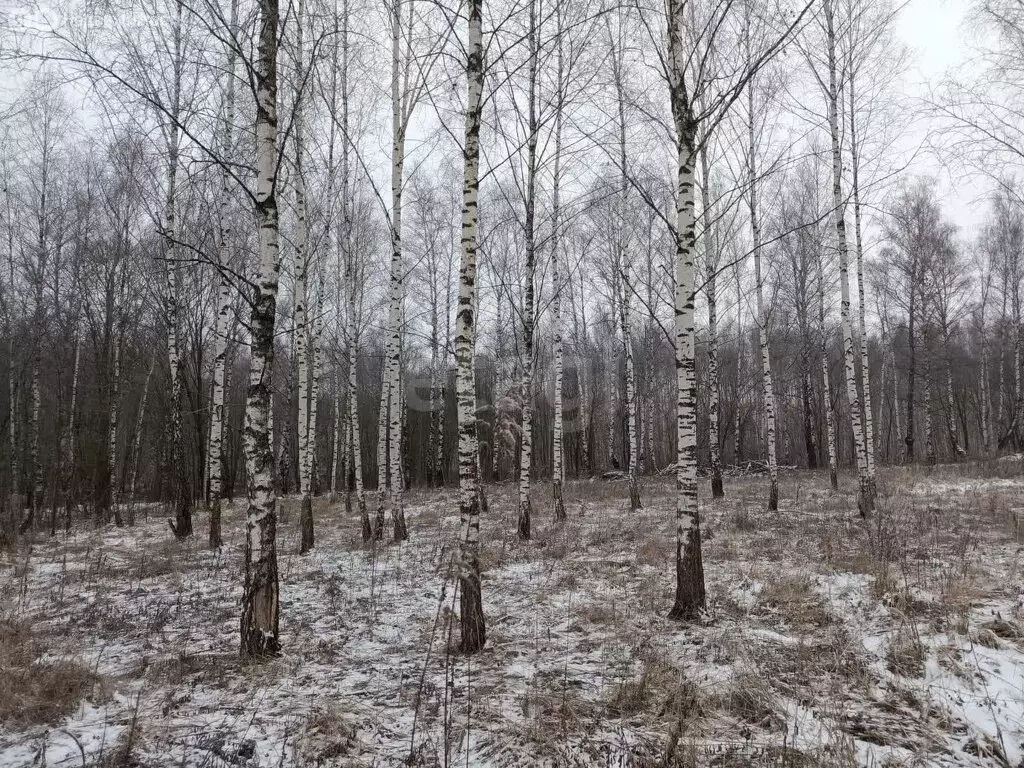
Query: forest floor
pixel 830 641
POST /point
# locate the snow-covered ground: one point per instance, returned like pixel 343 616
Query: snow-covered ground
pixel 831 642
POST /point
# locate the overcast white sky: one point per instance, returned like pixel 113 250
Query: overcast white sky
pixel 937 33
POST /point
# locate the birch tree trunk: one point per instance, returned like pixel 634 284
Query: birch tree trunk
pixel 350 276
pixel 762 317
pixel 911 364
pixel 826 386
pixel 1000 358
pixel 70 454
pixel 558 468
pixel 622 270
pixel 737 451
pixel 864 499
pixel 33 449
pixel 12 423
pixel 631 408
pixel 215 466
pixel 391 438
pixel 112 419
pixel 951 428
pixel 140 421
pixel 711 256
pixel 472 624
pixel 316 353
pixel 929 441
pixel 182 524
pixel 260 599
pixel 690 598
pixel 382 445
pixel 303 333
pixel 865 367
pixel 986 397
pixel 529 310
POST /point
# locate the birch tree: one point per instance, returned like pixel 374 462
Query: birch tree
pixel 864 498
pixel 763 329
pixel 260 598
pixel 472 624
pixel 224 298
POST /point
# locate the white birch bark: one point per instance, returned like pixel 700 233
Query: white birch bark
pixel 865 367
pixel 623 282
pixel 472 624
pixel 390 439
pixel 631 406
pixel 112 420
pixel 711 257
pixel 260 600
pixel 557 467
pixel 864 501
pixel 352 296
pixel 929 440
pixel 140 421
pixel 182 524
pixel 303 331
pixel 72 429
pixel 986 396
pixel 217 417
pixel 529 310
pixel 737 450
pixel 762 312
pixel 826 386
pixel 690 593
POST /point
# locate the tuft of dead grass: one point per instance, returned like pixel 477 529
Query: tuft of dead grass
pixel 794 598
pixel 34 691
pixel 328 736
pixel 662 688
pixel 906 654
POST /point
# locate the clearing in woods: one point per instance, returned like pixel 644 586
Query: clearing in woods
pixel 831 642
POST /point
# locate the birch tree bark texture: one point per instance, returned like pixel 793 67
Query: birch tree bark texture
pixel 472 624
pixel 763 330
pixel 303 335
pixel 260 599
pixel 690 599
pixel 216 440
pixel 711 288
pixel 864 502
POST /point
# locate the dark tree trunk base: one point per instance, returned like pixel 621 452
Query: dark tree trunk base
pixel 378 520
pixel 215 540
pixel 691 600
pixel 182 525
pixel 773 496
pixel 306 537
pixel 833 478
pixel 556 492
pixel 474 631
pixel 401 530
pixel 717 491
pixel 864 505
pixel 634 495
pixel 364 517
pixel 260 616
pixel 525 513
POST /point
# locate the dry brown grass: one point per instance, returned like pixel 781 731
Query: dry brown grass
pixel 661 688
pixel 794 599
pixel 328 736
pixel 906 654
pixel 34 690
